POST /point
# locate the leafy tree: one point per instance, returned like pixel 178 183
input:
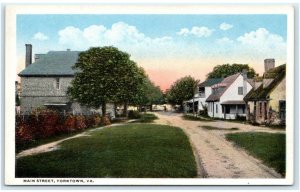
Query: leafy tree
pixel 148 94
pixel 183 89
pixel 104 74
pixel 226 70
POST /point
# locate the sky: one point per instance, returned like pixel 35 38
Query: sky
pixel 168 47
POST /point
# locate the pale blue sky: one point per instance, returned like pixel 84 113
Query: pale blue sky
pixel 195 42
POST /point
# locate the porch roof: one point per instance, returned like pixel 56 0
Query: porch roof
pixel 233 102
pixel 55 104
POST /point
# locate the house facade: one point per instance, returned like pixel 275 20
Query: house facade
pixel 226 100
pixel 203 91
pixel 45 82
pixel 266 102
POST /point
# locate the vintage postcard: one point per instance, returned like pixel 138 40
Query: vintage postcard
pixel 149 94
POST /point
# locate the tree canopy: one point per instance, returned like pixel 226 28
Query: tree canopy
pixel 183 89
pixel 148 94
pixel 226 70
pixel 105 74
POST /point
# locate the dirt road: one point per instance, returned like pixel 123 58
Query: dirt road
pixel 217 157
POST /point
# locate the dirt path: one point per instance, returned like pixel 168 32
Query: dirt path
pixel 218 157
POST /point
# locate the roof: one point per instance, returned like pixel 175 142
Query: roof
pixel 251 82
pixel 227 81
pixel 54 63
pixel 233 102
pixel 261 93
pixel 210 82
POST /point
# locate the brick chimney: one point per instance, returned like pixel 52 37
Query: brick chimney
pixel 28 56
pixel 269 64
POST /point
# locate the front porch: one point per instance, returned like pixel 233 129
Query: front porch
pixel 233 109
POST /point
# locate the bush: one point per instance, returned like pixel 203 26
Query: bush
pixel 105 121
pixel 240 118
pixel 44 123
pixel 204 112
pixel 134 114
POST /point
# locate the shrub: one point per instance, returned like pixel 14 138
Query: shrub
pixel 105 121
pixel 240 118
pixel 70 123
pixel 45 123
pixel 80 122
pixel 23 131
pixel 134 114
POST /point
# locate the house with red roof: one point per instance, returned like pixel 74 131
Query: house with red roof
pixel 226 100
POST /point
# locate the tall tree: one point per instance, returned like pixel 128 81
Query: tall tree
pixel 183 89
pixel 104 74
pixel 226 70
pixel 148 94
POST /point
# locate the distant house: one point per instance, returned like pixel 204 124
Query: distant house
pixel 44 83
pixel 203 91
pixel 226 100
pixel 266 102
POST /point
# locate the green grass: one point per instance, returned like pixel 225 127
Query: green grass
pixel 129 151
pixel 146 118
pixel 30 144
pixel 216 128
pixel 269 147
pixel 194 118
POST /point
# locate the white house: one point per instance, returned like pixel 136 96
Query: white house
pixel 226 100
pixel 204 90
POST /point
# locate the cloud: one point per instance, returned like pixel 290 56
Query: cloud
pixel 183 31
pixel 40 36
pixel 225 26
pixel 224 40
pixel 122 35
pixel 196 31
pixel 263 41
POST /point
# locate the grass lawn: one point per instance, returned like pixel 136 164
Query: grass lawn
pixel 129 151
pixel 216 128
pixel 146 118
pixel 35 143
pixel 269 147
pixel 194 118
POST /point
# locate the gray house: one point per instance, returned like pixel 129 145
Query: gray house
pixel 45 82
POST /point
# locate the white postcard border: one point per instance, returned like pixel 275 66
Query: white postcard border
pixel 10 65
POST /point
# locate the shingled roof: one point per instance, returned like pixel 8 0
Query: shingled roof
pixel 261 93
pixel 54 63
pixel 227 82
pixel 210 82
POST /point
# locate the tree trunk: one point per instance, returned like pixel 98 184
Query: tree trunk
pixel 150 107
pixel 125 109
pixel 103 107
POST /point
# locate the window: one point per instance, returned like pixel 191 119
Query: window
pixel 57 83
pixel 260 109
pixel 282 110
pixel 217 108
pixel 240 90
